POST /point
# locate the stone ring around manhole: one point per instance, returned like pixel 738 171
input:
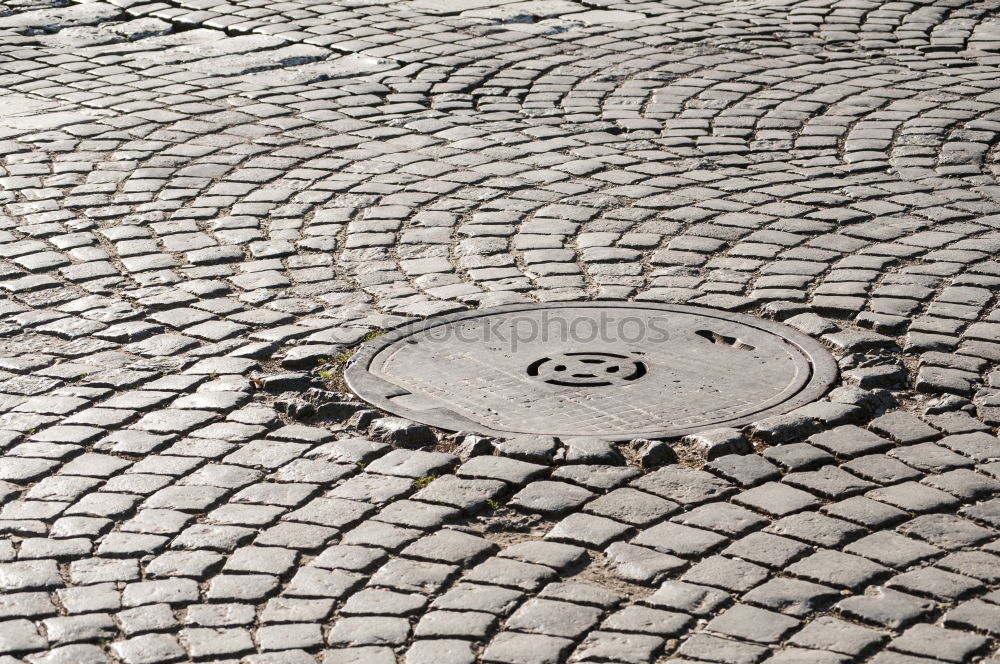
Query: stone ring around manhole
pixel 610 370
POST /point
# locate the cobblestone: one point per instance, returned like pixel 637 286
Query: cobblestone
pixel 207 208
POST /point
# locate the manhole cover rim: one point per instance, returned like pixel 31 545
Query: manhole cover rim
pixel 373 389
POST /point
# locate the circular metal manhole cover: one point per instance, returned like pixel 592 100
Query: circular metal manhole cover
pixel 615 371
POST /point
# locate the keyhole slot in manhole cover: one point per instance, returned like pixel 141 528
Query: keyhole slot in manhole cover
pixel 717 338
pixel 615 371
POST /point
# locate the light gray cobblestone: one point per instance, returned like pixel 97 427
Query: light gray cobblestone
pixel 206 208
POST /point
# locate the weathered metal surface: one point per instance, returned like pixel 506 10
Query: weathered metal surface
pixel 613 371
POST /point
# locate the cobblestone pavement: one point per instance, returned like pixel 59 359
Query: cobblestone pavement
pixel 203 199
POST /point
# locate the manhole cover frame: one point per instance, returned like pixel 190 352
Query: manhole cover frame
pixel 823 375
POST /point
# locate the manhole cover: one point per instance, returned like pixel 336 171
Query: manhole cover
pixel 615 371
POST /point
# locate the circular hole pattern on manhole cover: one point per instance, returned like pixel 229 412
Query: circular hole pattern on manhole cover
pixel 614 371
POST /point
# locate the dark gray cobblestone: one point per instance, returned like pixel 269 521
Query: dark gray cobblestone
pixel 207 207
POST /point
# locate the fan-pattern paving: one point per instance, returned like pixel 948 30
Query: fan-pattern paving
pixel 194 192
